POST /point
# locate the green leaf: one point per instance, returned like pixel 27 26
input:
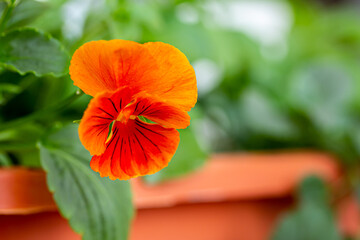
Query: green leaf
pixel 5 160
pixel 263 116
pixel 323 90
pixel 25 12
pixel 313 219
pixel 28 157
pixel 97 208
pixel 9 88
pixel 188 157
pixel 21 143
pixel 3 5
pixel 28 50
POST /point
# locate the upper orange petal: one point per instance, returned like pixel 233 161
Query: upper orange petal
pixel 176 80
pixel 101 111
pixel 99 66
pixel 156 68
pixel 136 149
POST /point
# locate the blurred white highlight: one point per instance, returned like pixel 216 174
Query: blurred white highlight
pixel 208 75
pixel 74 14
pixel 187 13
pixel 266 21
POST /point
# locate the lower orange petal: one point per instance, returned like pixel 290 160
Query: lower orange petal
pixel 163 113
pixel 136 149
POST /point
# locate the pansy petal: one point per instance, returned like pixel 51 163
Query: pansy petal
pixel 175 78
pixel 160 112
pixel 136 149
pixel 99 66
pixel 156 68
pixel 101 111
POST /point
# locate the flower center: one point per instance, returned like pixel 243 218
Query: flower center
pixel 125 115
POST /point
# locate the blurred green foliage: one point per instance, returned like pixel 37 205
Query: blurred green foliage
pixel 27 50
pixel 300 92
pixel 313 219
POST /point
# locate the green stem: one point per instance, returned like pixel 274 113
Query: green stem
pixel 17 146
pixel 6 15
pixel 44 112
pixel 24 84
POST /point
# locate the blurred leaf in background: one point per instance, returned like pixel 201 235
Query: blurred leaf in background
pixel 323 91
pixel 28 50
pixel 313 218
pixel 25 12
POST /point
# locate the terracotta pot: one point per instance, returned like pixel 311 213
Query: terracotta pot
pixel 234 197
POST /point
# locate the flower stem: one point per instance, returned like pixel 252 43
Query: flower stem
pixel 44 112
pixel 17 146
pixel 6 14
pixel 24 83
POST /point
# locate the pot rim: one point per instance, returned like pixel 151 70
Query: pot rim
pixel 272 174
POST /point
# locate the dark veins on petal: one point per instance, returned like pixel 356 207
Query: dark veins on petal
pixel 106 112
pixel 113 104
pixel 142 126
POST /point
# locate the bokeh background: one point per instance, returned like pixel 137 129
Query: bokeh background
pixel 272 75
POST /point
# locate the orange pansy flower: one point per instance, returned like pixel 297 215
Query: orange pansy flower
pixel 128 80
